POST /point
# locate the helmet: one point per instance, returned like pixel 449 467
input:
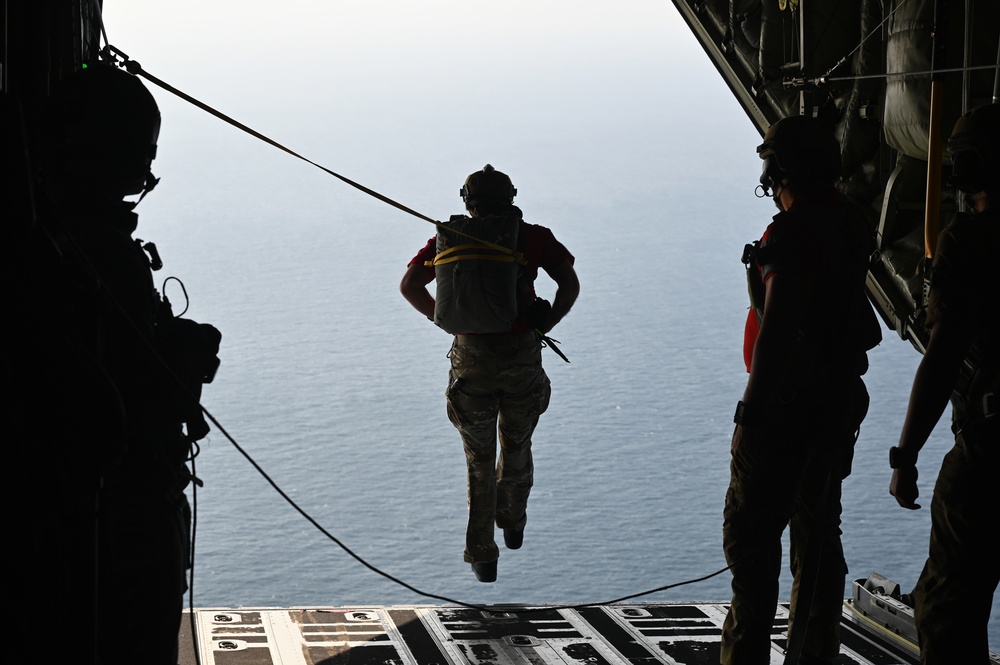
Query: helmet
pixel 488 186
pixel 973 147
pixel 103 122
pixel 801 149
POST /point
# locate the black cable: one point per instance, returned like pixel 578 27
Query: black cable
pixel 862 43
pixel 398 581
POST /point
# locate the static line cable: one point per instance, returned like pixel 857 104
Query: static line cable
pixel 120 59
pixel 134 68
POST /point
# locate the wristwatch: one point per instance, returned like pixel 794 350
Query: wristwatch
pixel 901 459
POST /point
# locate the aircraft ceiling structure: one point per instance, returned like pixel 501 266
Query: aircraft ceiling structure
pixel 894 75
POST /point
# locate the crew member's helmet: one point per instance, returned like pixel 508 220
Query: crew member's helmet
pixel 103 123
pixel 489 187
pixel 974 147
pixel 801 149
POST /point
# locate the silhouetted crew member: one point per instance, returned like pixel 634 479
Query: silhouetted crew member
pixel 101 126
pixel 486 296
pixel 807 334
pixel 955 590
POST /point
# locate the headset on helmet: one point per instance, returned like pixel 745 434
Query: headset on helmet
pixel 973 147
pixel 488 186
pixel 801 149
pixel 105 118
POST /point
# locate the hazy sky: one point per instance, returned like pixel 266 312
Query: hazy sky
pixel 369 34
pixel 620 92
pixel 401 52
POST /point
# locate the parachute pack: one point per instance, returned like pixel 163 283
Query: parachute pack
pixel 476 269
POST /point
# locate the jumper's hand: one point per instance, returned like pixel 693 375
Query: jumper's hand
pixel 538 315
pixel 903 486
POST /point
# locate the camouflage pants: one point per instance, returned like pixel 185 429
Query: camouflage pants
pixel 496 382
pixel 955 591
pixel 779 481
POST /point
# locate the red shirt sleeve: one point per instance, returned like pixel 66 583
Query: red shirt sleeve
pixel 541 249
pixel 750 332
pixel 426 254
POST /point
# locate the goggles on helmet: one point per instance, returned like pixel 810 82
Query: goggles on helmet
pixel 771 172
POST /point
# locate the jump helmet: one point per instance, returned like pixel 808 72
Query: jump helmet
pixel 802 149
pixel 103 118
pixel 487 186
pixel 974 146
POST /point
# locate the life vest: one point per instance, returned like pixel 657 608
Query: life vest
pixel 476 269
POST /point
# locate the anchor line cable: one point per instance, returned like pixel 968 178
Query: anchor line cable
pixel 862 42
pixel 826 78
pixel 903 75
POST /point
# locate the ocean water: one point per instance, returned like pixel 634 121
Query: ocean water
pixel 335 386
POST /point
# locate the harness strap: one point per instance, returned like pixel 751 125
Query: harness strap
pixel 551 343
pixel 447 255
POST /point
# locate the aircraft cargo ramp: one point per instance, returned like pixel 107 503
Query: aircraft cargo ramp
pixel 876 630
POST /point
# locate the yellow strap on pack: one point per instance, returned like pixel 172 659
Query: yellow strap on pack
pixel 449 255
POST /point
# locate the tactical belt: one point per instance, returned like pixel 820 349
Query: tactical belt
pixel 496 339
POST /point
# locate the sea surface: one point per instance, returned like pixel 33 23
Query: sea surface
pixel 335 386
